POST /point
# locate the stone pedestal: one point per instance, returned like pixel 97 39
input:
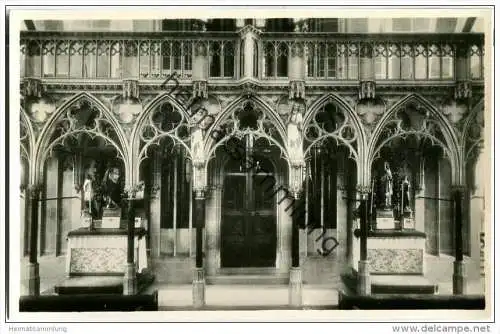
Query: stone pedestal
pixel 130 279
pixel 459 278
pixel 199 288
pixel 407 220
pixel 385 220
pixel 364 283
pixel 31 283
pixel 295 287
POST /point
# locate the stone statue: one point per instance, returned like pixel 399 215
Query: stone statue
pixel 294 132
pixel 405 185
pixel 387 181
pixel 91 202
pixel 197 144
pixel 111 188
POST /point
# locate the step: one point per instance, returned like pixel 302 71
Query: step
pixel 278 279
pixel 99 284
pixel 244 297
pixel 394 284
pixel 402 284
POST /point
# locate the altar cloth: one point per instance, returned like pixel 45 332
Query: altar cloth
pixel 392 251
pixel 103 251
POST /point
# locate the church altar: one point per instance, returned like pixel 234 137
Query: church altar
pixel 392 251
pixel 103 251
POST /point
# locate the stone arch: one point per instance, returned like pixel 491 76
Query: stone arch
pixel 266 108
pixel 43 144
pixel 26 147
pixel 30 135
pixel 451 144
pixel 136 156
pixel 355 122
pixel 472 137
pixel 469 123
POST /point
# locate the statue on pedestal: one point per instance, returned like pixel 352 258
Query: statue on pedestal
pixel 405 189
pixel 385 215
pixel 112 192
pixel 294 132
pixel 90 194
pixel 407 219
pixel 387 181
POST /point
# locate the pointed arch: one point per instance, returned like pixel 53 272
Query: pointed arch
pixel 451 141
pixel 43 143
pixel 357 152
pixel 209 141
pixel 155 103
pixel 138 153
pixel 468 143
pixel 479 107
pixel 30 135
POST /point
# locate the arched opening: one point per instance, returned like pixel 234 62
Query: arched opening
pixel 476 178
pixel 247 209
pixel 162 145
pixel 25 149
pixel 248 222
pixel 331 151
pixel 411 168
pixel 83 175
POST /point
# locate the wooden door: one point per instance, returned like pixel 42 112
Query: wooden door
pixel 248 221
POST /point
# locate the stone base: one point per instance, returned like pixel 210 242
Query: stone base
pixel 364 282
pixel 31 282
pixel 295 287
pixel 385 220
pixel 199 288
pixel 130 280
pixel 459 278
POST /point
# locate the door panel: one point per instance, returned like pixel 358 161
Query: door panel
pixel 248 222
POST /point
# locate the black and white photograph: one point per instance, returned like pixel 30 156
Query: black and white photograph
pixel 256 159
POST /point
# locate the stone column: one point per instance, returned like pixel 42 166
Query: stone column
pixel 295 283
pixel 463 88
pixel 459 275
pixel 130 278
pixel 199 272
pixel 364 282
pixel 32 281
pixel 342 207
pixel 420 196
pixel 155 206
pixel 477 207
pixel 366 72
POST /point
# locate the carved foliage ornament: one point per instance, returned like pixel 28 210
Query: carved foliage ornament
pixel 370 111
